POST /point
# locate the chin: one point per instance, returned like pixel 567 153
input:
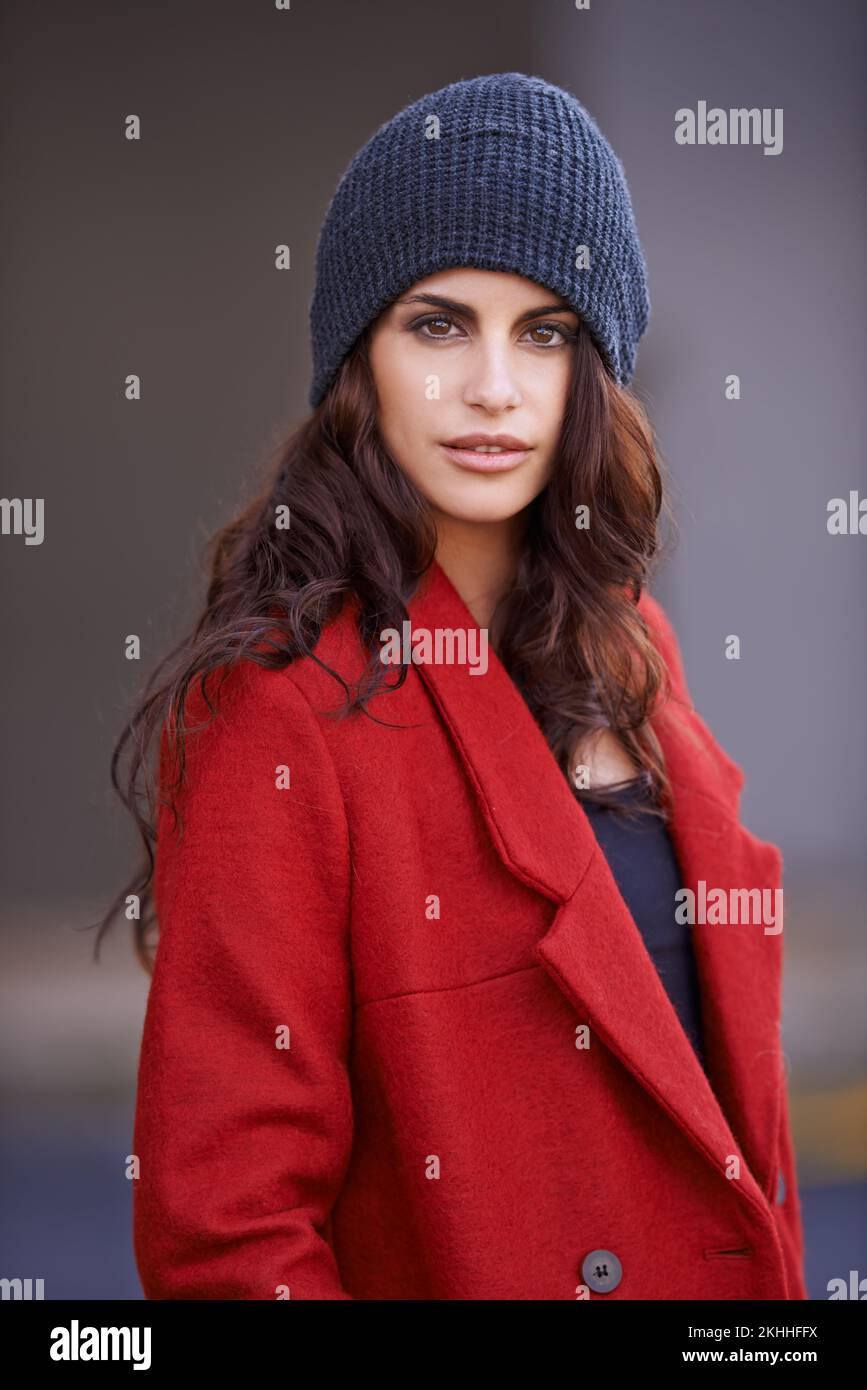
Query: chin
pixel 479 497
pixel 481 509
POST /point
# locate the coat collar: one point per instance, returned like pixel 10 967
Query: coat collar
pixel 593 950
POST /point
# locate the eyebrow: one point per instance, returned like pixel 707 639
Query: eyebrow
pixel 455 306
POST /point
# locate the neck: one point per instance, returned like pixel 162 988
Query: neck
pixel 480 559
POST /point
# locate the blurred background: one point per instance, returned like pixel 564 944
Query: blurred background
pixel 155 257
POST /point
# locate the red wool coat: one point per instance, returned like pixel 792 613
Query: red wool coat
pixel 359 1075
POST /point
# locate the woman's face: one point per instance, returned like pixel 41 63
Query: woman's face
pixel 462 357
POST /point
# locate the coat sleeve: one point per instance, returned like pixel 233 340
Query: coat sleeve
pixel 243 1126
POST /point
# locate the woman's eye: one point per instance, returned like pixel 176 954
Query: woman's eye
pixel 432 323
pixel 549 328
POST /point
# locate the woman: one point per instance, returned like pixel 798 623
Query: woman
pixel 427 1019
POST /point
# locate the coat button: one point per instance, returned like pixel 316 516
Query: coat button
pixel 781 1188
pixel 601 1271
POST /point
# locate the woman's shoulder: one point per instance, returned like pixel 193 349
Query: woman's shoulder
pixel 247 702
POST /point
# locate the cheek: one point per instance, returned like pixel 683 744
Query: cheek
pixel 550 395
pixel 400 391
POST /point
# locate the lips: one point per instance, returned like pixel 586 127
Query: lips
pixel 487 453
pixel 506 442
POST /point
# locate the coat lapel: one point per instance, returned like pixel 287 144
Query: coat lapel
pixel 593 950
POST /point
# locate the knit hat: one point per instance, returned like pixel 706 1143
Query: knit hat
pixel 504 172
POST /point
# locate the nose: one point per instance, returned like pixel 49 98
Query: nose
pixel 491 381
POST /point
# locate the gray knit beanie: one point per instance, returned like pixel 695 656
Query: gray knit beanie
pixel 504 172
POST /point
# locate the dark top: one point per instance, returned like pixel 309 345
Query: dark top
pixel 642 859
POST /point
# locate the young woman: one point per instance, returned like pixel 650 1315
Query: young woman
pixel 458 993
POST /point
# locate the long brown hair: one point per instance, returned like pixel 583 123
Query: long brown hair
pixel 568 632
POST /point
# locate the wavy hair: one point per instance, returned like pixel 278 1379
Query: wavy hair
pixel 568 631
